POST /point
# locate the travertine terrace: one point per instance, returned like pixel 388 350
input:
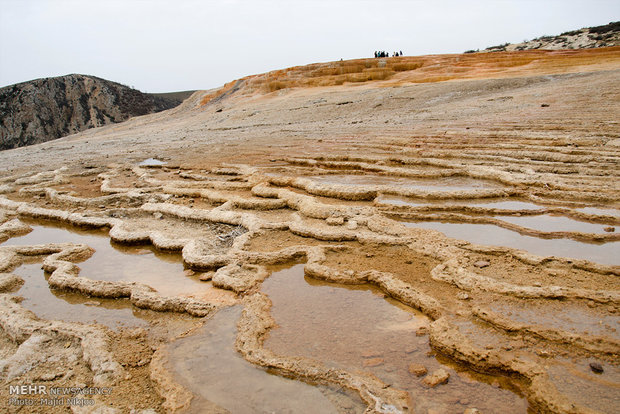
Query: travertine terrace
pixel 343 175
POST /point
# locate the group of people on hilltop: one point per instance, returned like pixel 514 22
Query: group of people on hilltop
pixel 382 53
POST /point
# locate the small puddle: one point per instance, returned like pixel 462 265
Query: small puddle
pixel 152 162
pixel 208 365
pixel 162 271
pixel 502 205
pixel 491 235
pixel 549 223
pixel 358 329
pixel 433 184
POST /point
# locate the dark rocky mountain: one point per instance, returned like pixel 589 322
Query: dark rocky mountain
pixel 45 109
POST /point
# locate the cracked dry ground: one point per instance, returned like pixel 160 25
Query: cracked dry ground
pixel 290 260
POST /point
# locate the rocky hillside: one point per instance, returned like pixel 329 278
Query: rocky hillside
pixel 45 109
pixel 586 38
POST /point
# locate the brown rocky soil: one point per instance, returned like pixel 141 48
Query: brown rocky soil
pixel 239 196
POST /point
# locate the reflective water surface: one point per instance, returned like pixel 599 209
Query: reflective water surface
pixel 489 234
pixel 432 184
pixel 549 223
pixel 49 303
pixel 503 205
pixel 207 364
pixel 356 328
pixel 600 211
pixel 162 271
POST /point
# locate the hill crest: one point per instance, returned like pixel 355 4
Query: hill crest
pixel 48 108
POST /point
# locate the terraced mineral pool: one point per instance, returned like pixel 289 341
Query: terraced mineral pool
pixel 491 235
pixel 207 364
pixel 501 205
pixel 574 378
pixel 563 315
pixel 356 328
pixel 432 184
pixel 600 211
pixel 162 271
pixel 72 307
pixel 549 223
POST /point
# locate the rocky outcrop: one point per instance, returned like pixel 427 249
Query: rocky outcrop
pixel 586 38
pixel 45 109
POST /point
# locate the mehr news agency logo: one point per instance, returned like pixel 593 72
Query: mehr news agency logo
pixel 42 395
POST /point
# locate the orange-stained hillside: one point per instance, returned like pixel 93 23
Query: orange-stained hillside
pixel 430 68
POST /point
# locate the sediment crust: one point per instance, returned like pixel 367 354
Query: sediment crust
pixel 10 282
pixel 13 228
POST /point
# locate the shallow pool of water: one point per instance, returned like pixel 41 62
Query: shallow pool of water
pixel 508 205
pixel 488 234
pixel 208 365
pixel 549 223
pixel 575 379
pixel 72 307
pixel 503 205
pixel 162 271
pixel 571 317
pixel 600 211
pixel 432 184
pixel 356 328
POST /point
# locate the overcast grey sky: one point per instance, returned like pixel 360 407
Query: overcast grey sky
pixel 171 45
